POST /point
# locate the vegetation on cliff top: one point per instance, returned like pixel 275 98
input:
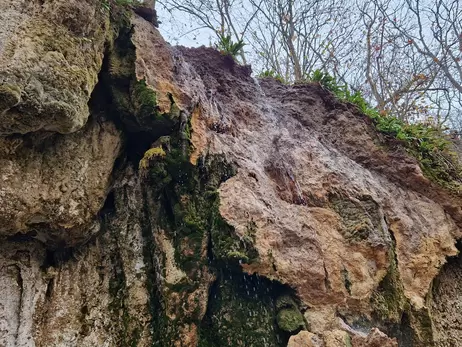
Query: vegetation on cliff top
pixel 404 55
pixel 428 144
pixel 227 46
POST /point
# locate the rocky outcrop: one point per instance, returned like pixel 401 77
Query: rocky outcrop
pixel 162 196
pixel 94 295
pixel 55 185
pixel 50 56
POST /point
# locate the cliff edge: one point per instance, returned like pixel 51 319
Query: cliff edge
pixel 160 196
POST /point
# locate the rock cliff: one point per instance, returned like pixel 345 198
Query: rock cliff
pixel 160 196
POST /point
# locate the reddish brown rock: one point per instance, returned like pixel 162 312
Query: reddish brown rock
pixel 375 339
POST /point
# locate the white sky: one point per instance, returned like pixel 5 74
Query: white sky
pixel 172 28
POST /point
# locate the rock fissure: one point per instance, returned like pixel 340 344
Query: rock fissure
pixel 160 196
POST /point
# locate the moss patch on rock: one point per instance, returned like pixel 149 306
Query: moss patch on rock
pixel 395 314
pixel 388 301
pixel 156 152
pixel 361 218
pixel 134 100
pixel 186 210
pixel 290 320
pixel 10 95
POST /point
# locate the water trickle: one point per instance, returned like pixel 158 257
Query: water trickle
pixel 259 88
pixel 213 106
pixel 266 107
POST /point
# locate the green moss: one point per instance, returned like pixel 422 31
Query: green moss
pixel 394 312
pixel 191 220
pixel 156 152
pixel 290 320
pixel 422 328
pixel 388 301
pixel 120 13
pixel 192 214
pixel 289 317
pixel 346 280
pixel 348 342
pixel 134 100
pixel 285 301
pixel 360 217
pixel 10 95
pixel 143 99
pixel 189 214
pixel 238 256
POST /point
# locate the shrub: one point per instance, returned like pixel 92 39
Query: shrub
pixel 227 47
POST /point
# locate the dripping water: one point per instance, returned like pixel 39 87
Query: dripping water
pixel 266 106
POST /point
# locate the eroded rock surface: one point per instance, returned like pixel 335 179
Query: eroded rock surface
pixel 53 185
pixel 311 173
pixel 92 296
pixel 446 304
pixel 50 56
pixel 240 212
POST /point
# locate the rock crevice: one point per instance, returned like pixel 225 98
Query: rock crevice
pixel 161 196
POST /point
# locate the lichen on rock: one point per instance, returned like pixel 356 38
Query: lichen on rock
pixel 55 185
pixel 178 202
pixel 49 61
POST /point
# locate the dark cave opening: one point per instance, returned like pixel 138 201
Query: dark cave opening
pixel 136 141
pixel 252 301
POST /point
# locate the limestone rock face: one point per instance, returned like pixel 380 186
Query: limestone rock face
pixel 375 339
pixel 312 173
pixel 198 206
pixel 50 56
pixel 54 185
pixel 339 338
pixel 446 304
pixel 93 296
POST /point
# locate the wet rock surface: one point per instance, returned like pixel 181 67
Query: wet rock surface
pixel 181 202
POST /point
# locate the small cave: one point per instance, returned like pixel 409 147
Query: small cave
pixel 57 257
pixel 255 303
pixel 137 138
pixel 137 143
pixel 109 205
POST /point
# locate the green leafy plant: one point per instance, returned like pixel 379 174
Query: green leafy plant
pixel 328 82
pixel 226 46
pixel 105 5
pixel 271 74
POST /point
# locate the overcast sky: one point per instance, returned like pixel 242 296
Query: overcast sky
pixel 173 27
